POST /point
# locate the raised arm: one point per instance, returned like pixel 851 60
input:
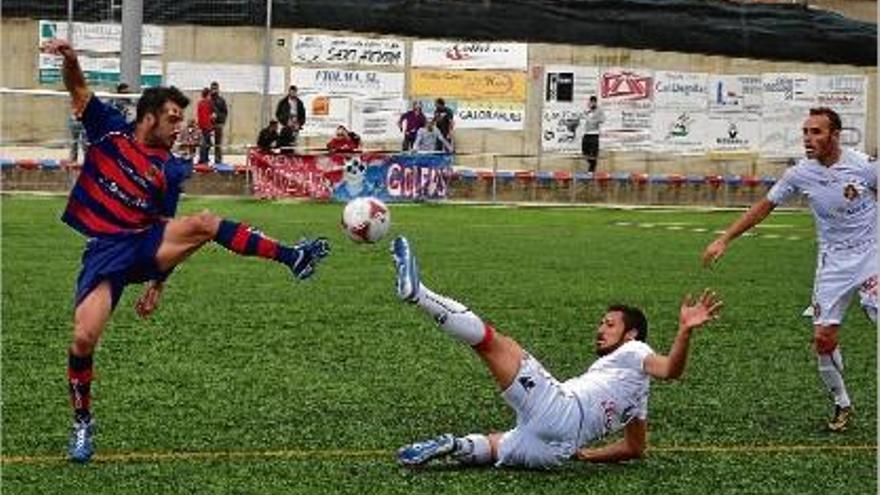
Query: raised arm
pixel 693 314
pixel 631 446
pixel 755 215
pixel 74 80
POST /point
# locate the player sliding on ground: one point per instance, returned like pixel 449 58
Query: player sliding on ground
pixel 124 201
pixel 842 188
pixel 555 420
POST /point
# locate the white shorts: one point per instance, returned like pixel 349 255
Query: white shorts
pixel 839 275
pixel 548 420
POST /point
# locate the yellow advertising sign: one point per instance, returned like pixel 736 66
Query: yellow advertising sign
pixel 468 85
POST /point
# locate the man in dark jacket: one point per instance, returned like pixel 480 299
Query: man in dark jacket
pixel 291 114
pixel 221 111
pixel 268 138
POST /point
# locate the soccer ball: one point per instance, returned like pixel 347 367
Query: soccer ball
pixel 366 219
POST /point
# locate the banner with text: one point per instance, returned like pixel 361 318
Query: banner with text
pixel 102 37
pixel 339 82
pixel 567 90
pixel 468 85
pixel 98 71
pixel 680 111
pixel 347 50
pixel 342 177
pixel 468 114
pixel 626 95
pixel 735 93
pixel 470 55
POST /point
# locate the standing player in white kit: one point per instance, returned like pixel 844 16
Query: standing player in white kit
pixel 842 189
pixel 554 420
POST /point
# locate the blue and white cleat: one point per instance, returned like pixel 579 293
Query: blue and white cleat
pixel 79 447
pixel 418 453
pixel 407 270
pixel 309 253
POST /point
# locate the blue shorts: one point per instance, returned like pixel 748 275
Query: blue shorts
pixel 123 259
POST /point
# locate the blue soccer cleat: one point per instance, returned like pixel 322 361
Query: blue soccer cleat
pixel 407 270
pixel 308 254
pixel 419 453
pixel 79 447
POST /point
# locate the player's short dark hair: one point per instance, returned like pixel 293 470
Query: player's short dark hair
pixel 832 116
pixel 153 99
pixel 633 319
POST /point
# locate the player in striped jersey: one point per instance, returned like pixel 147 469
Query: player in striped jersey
pixel 124 201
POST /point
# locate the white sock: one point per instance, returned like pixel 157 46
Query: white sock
pixel 452 316
pixel 831 372
pixel 473 449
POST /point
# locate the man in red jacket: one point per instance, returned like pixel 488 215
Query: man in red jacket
pixel 205 119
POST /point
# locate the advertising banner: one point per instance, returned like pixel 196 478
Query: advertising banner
pixel 469 55
pixel 340 82
pixel 787 89
pixel 735 93
pixel 570 85
pixel 468 85
pixel 561 129
pixel 626 96
pixel 843 93
pixel 681 90
pixel 102 37
pixel 680 131
pixel 733 132
pixel 347 50
pixel 98 71
pixel 233 78
pixel 342 177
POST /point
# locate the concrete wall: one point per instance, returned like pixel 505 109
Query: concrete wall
pixel 41 120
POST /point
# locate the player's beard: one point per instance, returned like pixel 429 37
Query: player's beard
pixel 604 351
pixel 157 140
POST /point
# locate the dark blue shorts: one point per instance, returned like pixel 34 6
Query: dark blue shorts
pixel 124 259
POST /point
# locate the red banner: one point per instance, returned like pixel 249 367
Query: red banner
pixel 285 176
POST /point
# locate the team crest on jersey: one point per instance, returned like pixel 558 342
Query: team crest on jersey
pixel 527 382
pixel 850 192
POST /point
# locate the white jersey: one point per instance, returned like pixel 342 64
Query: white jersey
pixel 613 390
pixel 843 198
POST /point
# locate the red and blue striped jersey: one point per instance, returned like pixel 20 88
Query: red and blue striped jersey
pixel 125 186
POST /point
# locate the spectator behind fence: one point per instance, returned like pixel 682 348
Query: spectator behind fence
pixel 291 114
pixel 188 140
pixel 410 123
pixel 124 105
pixel 344 141
pixel 77 137
pixel 444 121
pixel 593 120
pixel 205 118
pixel 429 139
pixel 268 138
pixel 221 112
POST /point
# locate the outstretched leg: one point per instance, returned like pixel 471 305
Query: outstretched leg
pixel 186 235
pixel 502 355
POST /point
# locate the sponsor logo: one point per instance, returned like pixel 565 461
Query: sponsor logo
pixel 680 127
pixel 626 85
pixel 526 382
